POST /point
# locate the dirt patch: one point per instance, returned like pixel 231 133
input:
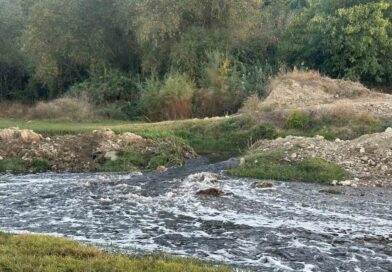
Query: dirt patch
pixel 368 159
pixel 78 153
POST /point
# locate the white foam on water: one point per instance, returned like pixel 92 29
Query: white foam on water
pixel 110 201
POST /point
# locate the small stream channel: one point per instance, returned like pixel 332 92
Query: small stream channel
pixel 291 227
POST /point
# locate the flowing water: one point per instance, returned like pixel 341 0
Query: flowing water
pixel 291 227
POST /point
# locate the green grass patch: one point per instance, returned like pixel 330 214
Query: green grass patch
pixel 271 165
pixel 17 166
pixel 30 253
pixel 12 165
pixel 127 161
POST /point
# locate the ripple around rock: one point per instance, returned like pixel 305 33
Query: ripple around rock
pixel 292 228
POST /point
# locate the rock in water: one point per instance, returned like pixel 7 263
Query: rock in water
pixel 264 185
pixel 211 192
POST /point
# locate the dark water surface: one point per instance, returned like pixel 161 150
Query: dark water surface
pixel 292 227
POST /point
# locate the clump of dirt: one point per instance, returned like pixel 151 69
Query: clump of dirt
pixel 77 153
pixel 368 159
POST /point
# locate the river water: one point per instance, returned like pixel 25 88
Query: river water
pixel 292 227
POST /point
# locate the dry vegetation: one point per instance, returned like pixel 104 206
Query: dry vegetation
pixel 66 109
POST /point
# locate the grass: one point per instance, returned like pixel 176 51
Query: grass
pixel 271 165
pixel 17 166
pixel 29 253
pixel 127 161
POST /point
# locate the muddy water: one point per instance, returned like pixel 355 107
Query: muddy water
pixel 292 227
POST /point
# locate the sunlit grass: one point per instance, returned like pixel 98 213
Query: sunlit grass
pixel 29 253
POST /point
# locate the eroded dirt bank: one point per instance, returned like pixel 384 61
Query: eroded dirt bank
pixel 88 152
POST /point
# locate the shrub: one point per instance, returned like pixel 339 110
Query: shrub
pixel 222 91
pixel 13 165
pixel 170 99
pixel 116 94
pixel 40 165
pixel 298 120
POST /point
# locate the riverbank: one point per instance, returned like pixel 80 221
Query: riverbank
pixel 42 253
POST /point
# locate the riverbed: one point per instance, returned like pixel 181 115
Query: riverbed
pixel 290 227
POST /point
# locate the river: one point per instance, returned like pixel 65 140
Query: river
pixel 292 227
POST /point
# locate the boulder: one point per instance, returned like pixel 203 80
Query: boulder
pixel 29 136
pixel 211 192
pixel 331 192
pixel 25 135
pixel 111 155
pixel 131 137
pixel 204 177
pixel 264 185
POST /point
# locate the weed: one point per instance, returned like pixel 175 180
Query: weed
pixel 298 120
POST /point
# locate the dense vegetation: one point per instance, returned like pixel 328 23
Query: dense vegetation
pixel 183 58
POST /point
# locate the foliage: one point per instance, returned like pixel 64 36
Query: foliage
pixel 17 166
pixel 170 99
pixel 127 161
pixel 298 120
pixel 346 39
pixel 270 165
pixel 49 254
pixel 116 94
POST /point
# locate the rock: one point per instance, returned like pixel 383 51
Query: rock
pixel 348 183
pixel 25 135
pixel 211 192
pixel 29 136
pixel 1 158
pixel 161 169
pixel 388 130
pixel 106 133
pixel 294 156
pixel 362 150
pixel 241 162
pixel 372 163
pixel 334 182
pixel 131 137
pixel 111 155
pixel 7 134
pixel 204 177
pixel 331 191
pixel 264 185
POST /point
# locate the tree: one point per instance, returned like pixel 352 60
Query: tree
pixel 68 38
pixel 345 39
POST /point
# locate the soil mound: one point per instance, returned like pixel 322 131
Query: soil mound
pixel 368 159
pixel 79 153
pixel 319 95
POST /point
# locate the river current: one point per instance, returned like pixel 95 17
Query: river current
pixel 291 227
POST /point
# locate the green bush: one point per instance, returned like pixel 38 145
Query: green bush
pixel 116 94
pixel 40 165
pixel 298 120
pixel 222 91
pixel 170 153
pixel 170 99
pixel 13 165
